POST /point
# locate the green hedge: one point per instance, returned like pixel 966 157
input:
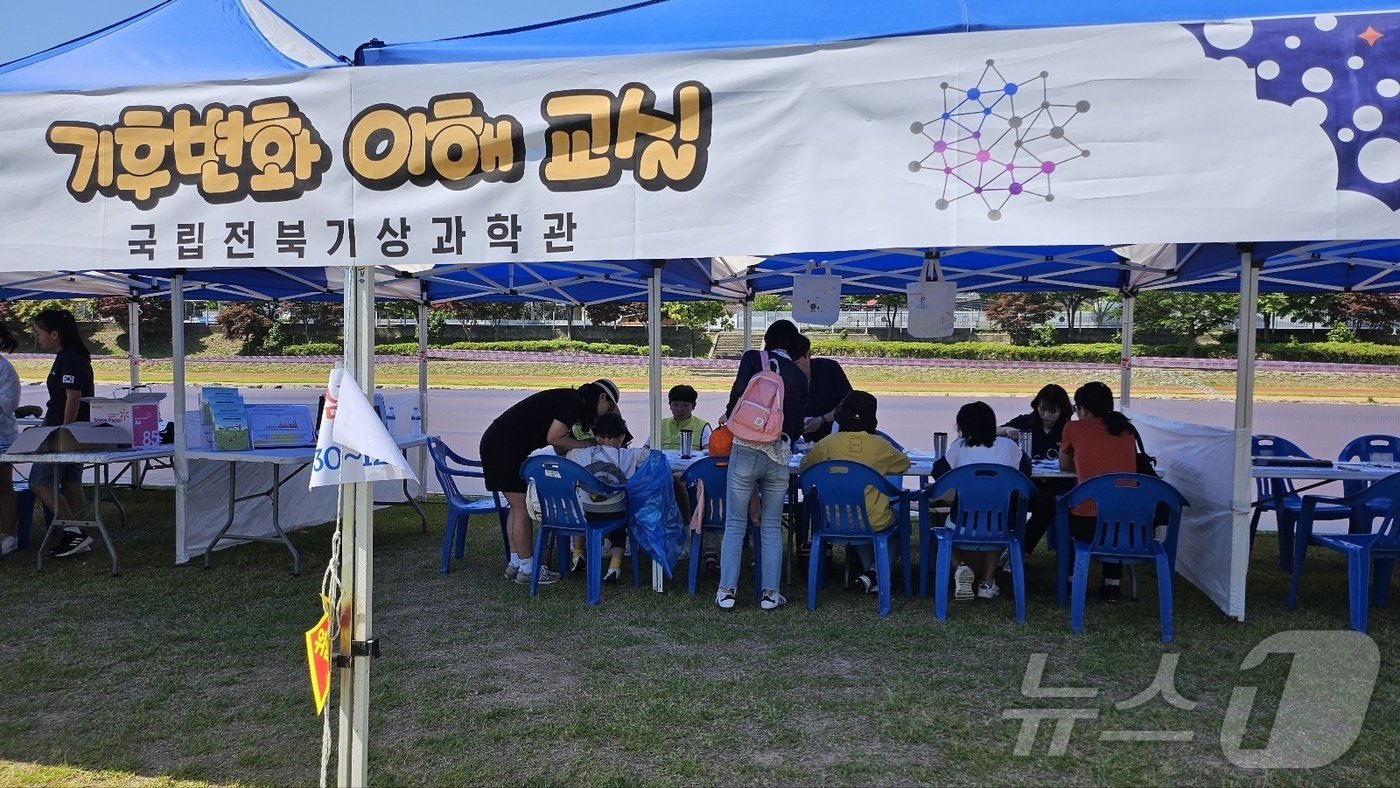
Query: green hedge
pixel 1108 352
pixel 1332 352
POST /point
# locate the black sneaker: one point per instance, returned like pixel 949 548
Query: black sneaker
pixel 1111 594
pixel 711 563
pixel 72 542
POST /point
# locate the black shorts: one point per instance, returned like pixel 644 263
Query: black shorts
pixel 500 463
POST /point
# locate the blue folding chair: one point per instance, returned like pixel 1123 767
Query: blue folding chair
pixel 1126 533
pixel 449 467
pixel 714 472
pixel 1361 549
pixel 988 514
pixel 1281 497
pixel 834 503
pixel 1368 448
pixel 558 481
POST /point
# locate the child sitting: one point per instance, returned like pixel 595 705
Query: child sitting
pixel 613 464
pixel 683 399
pixel 858 442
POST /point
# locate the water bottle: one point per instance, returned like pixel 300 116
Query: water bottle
pixel 389 417
pixel 416 420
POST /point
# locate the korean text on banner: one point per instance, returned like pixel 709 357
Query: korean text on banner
pixel 353 445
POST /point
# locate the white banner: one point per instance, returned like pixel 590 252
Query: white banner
pixel 353 445
pixel 1282 129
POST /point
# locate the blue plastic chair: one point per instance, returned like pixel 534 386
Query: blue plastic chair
pixel 1127 506
pixel 1281 497
pixel 988 514
pixel 449 467
pixel 892 441
pixel 557 482
pixel 714 471
pixel 1382 547
pixel 834 503
pixel 1368 448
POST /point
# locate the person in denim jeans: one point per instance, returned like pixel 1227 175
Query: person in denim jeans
pixel 761 467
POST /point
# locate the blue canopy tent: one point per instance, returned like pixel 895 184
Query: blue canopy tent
pixel 679 25
pixel 178 40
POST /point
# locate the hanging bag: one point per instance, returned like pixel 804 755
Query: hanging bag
pixel 1146 463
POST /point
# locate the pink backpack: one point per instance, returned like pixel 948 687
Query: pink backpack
pixel 758 415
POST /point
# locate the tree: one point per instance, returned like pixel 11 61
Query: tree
pixel 155 312
pixel 609 312
pixel 1071 301
pixel 323 314
pixel 694 315
pixel 767 302
pixel 1106 305
pixel 892 303
pixel 1271 305
pixel 1018 313
pixel 23 312
pixel 1323 308
pixel 1188 315
pixel 1376 310
pixel 249 322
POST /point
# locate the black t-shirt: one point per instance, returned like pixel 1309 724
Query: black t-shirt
pixel 1041 441
pixel 526 423
pixel 71 371
pixel 828 387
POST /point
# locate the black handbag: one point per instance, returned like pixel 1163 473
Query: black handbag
pixel 1146 463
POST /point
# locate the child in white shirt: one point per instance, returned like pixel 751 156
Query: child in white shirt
pixel 610 462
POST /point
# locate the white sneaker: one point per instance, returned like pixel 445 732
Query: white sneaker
pixel 963 580
pixel 987 589
pixel 724 599
pixel 772 600
pixel 8 544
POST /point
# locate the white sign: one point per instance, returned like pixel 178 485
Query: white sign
pixel 353 445
pixel 1152 133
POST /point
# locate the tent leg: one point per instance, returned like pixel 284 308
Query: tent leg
pixel 179 461
pixel 133 338
pixel 1243 492
pixel 658 582
pixel 1125 385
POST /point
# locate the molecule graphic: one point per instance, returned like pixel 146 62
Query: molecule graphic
pixel 987 147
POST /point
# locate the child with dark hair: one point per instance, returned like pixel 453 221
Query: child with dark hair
pixel 683 399
pixel 978 442
pixel 610 462
pixel 1100 440
pixel 858 442
pixel 1050 412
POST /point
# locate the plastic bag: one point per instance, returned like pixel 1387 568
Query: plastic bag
pixel 651 508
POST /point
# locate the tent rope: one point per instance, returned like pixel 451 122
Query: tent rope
pixel 330 593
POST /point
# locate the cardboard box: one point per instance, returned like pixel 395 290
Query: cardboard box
pixel 138 413
pixel 79 436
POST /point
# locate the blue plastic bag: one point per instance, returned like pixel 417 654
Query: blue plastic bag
pixel 651 507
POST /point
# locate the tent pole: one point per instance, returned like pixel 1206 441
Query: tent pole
pixel 356 551
pixel 658 582
pixel 177 364
pixel 423 385
pixel 133 339
pixel 1241 503
pixel 748 323
pixel 1125 384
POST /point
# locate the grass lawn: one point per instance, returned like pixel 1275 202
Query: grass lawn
pixel 178 675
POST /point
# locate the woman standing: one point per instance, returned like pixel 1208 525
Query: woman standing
pixel 69 381
pixel 9 401
pixel 761 466
pixel 1099 441
pixel 546 418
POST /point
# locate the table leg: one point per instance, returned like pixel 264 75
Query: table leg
pixel 232 501
pixel 98 473
pixel 277 519
pixel 105 481
pixel 422 518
